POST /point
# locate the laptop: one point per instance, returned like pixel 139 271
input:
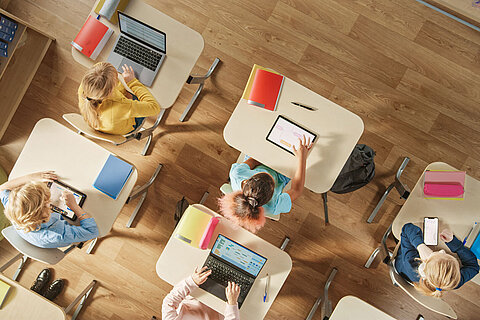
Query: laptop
pixel 140 46
pixel 230 261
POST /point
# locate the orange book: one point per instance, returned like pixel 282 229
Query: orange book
pixel 92 38
pixel 266 90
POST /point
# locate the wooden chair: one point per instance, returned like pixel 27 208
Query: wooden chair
pixel 47 256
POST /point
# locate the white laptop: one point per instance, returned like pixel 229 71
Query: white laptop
pixel 140 46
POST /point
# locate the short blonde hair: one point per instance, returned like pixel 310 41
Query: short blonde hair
pixel 97 84
pixel 27 205
pixel 442 273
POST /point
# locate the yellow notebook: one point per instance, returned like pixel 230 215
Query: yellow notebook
pixel 192 226
pixel 4 288
pixel 248 87
pixel 121 6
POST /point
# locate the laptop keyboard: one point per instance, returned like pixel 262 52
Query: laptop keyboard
pixel 222 273
pixel 135 52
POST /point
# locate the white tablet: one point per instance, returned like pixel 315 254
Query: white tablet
pixel 57 203
pixel 285 134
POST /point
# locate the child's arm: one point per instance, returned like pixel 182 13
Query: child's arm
pixel 20 181
pixel 469 261
pixel 252 163
pixel 298 181
pixel 146 105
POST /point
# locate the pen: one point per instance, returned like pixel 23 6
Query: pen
pixel 303 106
pixel 469 233
pixel 267 283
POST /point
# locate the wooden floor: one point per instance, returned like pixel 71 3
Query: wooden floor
pixel 410 73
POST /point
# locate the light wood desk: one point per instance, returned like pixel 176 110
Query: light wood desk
pixel 353 308
pixel 178 261
pixel 184 46
pixel 338 131
pixel 77 161
pixel 24 304
pixel 456 215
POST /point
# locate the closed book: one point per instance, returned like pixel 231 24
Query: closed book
pixel 113 176
pixel 266 88
pixel 7 30
pixel 3 53
pixel 196 227
pixel 8 23
pixel 3 45
pixel 6 37
pixel 4 288
pixel 248 87
pixel 92 38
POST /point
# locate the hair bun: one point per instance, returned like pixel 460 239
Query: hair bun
pixel 252 201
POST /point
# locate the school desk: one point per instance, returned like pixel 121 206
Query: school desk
pixel 24 304
pixel 353 308
pixel 184 46
pixel 456 215
pixel 338 131
pixel 77 162
pixel 178 261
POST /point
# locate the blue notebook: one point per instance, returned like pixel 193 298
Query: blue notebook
pixel 476 247
pixel 113 176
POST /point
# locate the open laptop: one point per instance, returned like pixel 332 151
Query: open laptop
pixel 230 261
pixel 140 46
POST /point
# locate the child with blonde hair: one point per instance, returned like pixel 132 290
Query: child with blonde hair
pixel 107 106
pixel 258 188
pixel 434 272
pixel 27 206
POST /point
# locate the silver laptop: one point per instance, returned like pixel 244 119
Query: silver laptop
pixel 140 46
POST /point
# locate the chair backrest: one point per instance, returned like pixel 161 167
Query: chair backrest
pixel 3 220
pixel 77 121
pixel 435 304
pixel 48 256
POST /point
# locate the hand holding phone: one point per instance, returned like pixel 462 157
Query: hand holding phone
pixel 430 231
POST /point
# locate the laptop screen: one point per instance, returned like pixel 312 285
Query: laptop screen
pixel 238 255
pixel 142 32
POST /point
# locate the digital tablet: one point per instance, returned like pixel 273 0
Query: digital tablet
pixel 285 134
pixel 57 203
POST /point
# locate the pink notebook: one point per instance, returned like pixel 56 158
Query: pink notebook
pixel 444 185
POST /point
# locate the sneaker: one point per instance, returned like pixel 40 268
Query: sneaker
pixel 41 282
pixel 54 289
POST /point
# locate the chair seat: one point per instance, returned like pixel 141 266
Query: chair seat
pixel 76 120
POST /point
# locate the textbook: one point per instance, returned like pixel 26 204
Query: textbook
pixel 8 23
pixel 6 37
pixel 4 288
pixel 266 88
pixel 196 228
pixel 7 30
pixel 91 39
pixel 113 176
pixel 248 87
pixel 444 184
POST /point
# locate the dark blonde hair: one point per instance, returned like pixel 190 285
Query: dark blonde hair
pixel 28 205
pixel 97 84
pixel 442 273
pixel 245 207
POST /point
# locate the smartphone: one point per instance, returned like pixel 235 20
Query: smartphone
pixel 430 231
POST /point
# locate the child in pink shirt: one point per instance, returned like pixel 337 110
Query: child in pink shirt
pixel 179 305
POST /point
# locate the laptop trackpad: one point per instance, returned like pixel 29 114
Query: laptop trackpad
pixel 214 288
pixel 136 67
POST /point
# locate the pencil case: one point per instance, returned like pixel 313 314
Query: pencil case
pixel 443 189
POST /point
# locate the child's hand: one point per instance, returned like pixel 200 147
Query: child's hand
pixel 44 176
pixel 200 276
pixel 232 291
pixel 128 73
pixel 446 235
pixel 69 199
pixel 303 148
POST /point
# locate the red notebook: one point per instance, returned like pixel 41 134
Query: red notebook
pixel 92 38
pixel 266 89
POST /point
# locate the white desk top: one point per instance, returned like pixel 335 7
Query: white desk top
pixel 184 46
pixel 178 261
pixel 24 304
pixel 353 308
pixel 457 215
pixel 338 131
pixel 77 161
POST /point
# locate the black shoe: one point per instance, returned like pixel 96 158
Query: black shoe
pixel 54 289
pixel 42 281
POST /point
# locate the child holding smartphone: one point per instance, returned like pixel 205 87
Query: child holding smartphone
pixel 258 188
pixel 434 272
pixel 106 105
pixel 27 205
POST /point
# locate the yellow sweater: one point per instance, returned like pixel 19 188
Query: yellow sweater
pixel 117 113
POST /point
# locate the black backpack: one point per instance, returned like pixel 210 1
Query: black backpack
pixel 357 171
pixel 182 205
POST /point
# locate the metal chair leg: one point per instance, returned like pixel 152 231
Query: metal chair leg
pixel 91 245
pixel 204 197
pixel 380 203
pixel 23 259
pixel 372 257
pixel 201 81
pixel 82 297
pixel 327 304
pixel 325 207
pixel 284 243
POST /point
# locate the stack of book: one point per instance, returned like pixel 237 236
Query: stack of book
pixel 7 32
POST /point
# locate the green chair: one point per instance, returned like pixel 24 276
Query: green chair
pixel 3 220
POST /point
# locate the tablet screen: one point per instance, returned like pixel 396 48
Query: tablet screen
pixel 285 134
pixel 57 201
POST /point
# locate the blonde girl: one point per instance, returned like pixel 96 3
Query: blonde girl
pixel 27 205
pixel 107 106
pixel 433 273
